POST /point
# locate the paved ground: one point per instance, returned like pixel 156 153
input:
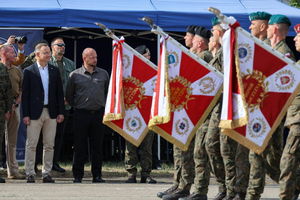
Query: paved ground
pixel 113 189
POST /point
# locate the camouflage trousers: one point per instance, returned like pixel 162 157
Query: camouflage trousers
pixel 212 146
pixel 266 163
pixel 142 154
pixel 187 167
pixel 177 165
pixel 289 164
pixel 202 168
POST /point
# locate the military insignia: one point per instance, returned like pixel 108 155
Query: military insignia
pixel 257 128
pixel 133 124
pixel 285 79
pixel 126 61
pixel 255 88
pixel 182 126
pixel 245 52
pixel 207 85
pixel 180 93
pixel 172 58
pixel 133 92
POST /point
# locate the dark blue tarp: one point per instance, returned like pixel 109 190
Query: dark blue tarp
pixel 171 15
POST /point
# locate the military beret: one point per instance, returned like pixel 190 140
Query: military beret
pixel 259 16
pixel 142 49
pixel 297 28
pixel 215 21
pixel 203 32
pixel 191 29
pixel 279 19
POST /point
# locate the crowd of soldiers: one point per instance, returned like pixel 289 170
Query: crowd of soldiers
pixel 239 173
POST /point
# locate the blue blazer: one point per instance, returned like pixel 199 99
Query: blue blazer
pixel 33 93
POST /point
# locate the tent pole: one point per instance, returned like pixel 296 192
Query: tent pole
pixel 158 136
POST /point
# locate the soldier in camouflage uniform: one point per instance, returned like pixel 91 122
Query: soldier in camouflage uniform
pixel 183 159
pixel 268 161
pixel 199 47
pixel 132 152
pixel 201 159
pixel 7 56
pixel 290 159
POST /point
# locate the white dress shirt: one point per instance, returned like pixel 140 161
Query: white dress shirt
pixel 45 81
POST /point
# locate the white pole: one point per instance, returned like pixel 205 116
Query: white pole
pixel 158 58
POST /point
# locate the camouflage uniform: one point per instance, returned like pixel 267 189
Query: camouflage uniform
pixel 187 161
pixel 132 156
pixel 268 162
pixel 202 168
pixel 29 60
pixel 290 159
pixel 6 100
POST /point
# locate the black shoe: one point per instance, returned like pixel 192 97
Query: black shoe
pixel 195 196
pixel 220 196
pixel 131 179
pixel 77 180
pixel 2 180
pixel 168 191
pixel 98 180
pixel 179 193
pixel 48 179
pixel 148 179
pixel 57 168
pixel 30 179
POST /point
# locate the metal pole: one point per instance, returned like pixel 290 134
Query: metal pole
pixel 158 136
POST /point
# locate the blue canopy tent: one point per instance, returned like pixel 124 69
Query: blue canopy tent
pixel 171 15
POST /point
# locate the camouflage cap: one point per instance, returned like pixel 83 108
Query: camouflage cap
pixel 191 29
pixel 259 16
pixel 215 21
pixel 297 28
pixel 279 19
pixel 203 32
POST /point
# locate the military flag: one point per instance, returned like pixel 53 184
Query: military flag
pixel 130 93
pixel 186 90
pixel 270 83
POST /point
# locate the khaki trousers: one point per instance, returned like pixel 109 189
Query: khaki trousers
pixel 48 127
pixel 11 135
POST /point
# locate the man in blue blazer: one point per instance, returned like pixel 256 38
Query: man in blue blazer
pixel 43 108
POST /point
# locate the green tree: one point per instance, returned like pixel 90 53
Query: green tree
pixel 295 3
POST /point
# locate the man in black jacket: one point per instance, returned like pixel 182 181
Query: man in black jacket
pixel 43 108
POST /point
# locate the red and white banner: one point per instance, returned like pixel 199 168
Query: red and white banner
pixel 232 116
pixel 270 84
pixel 186 90
pixel 130 93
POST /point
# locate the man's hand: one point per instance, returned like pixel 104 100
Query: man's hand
pixel 60 118
pixel 7 115
pixel 11 40
pixel 26 120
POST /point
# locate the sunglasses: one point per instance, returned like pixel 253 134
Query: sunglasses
pixel 60 45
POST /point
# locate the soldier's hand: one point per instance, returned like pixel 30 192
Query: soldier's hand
pixel 60 118
pixel 11 40
pixel 26 120
pixel 7 115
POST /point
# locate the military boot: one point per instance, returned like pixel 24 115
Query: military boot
pixel 179 193
pixel 195 196
pixel 168 191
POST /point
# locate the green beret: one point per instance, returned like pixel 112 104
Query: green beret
pixel 215 21
pixel 191 29
pixel 259 16
pixel 203 32
pixel 279 19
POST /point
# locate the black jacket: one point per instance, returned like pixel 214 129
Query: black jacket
pixel 33 93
